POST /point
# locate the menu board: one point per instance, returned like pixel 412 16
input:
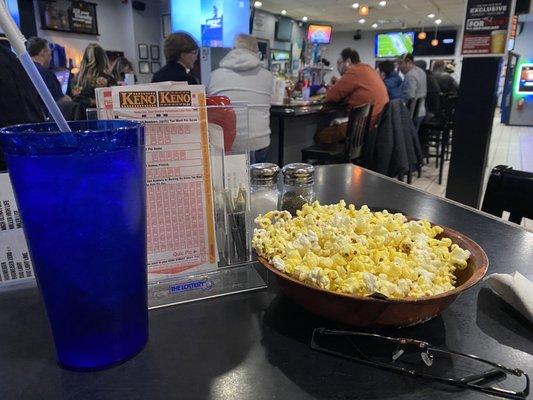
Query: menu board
pixel 181 232
pixel 15 263
pixel 486 27
pixel 68 16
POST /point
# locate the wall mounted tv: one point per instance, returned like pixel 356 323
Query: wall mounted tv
pixel 446 46
pixel 393 44
pixel 284 29
pixel 213 23
pixel 319 34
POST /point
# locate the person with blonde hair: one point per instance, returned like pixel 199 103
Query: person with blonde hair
pixel 242 78
pixel 181 52
pixel 94 73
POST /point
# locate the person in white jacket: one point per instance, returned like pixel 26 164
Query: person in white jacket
pixel 243 79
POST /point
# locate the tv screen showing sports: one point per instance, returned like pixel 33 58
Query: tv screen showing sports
pixel 319 34
pixel 445 47
pixel 213 23
pixel 525 82
pixel 393 44
pixel 284 29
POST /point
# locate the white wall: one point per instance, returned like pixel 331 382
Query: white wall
pixel 147 29
pixel 268 31
pixel 115 25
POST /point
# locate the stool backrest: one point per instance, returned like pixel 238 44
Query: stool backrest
pixel 359 120
pixel 509 190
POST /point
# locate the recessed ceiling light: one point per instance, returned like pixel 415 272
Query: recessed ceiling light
pixel 438 21
pixel 258 4
pixel 374 25
pixel 355 5
pixel 283 12
pixel 431 16
pixel 362 21
pixel 382 3
pixel 304 19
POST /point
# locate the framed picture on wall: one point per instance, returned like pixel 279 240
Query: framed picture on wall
pixel 143 51
pixel 167 30
pixel 155 66
pixel 144 67
pixel 154 52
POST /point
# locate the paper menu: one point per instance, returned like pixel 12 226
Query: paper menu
pixel 180 216
pixel 15 262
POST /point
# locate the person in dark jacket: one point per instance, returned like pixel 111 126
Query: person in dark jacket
pixel 19 100
pixel 181 52
pixel 433 93
pixel 446 82
pixel 391 78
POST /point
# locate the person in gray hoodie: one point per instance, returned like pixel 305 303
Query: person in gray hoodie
pixel 243 79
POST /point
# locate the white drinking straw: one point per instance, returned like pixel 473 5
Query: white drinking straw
pixel 17 39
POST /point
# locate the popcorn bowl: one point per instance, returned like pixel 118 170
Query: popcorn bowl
pixel 369 311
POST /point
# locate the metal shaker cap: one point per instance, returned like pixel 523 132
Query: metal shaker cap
pixel 264 174
pixel 298 173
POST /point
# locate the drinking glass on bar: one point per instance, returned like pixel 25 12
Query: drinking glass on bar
pixel 82 199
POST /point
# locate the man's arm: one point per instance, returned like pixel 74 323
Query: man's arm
pixel 340 90
pixel 408 87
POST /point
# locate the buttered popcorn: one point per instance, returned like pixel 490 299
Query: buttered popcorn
pixel 345 250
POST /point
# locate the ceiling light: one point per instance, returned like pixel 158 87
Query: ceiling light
pixel 435 42
pixel 438 21
pixel 258 4
pixel 304 19
pixel 422 35
pixel 374 25
pixel 362 21
pixel 363 10
pixel 382 3
pixel 283 12
pixel 431 16
pixel 355 5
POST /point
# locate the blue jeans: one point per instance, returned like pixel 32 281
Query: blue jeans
pixel 258 156
pixel 418 121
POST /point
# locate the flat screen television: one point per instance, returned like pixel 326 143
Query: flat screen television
pixel 393 44
pixel 284 29
pixel 319 34
pixel 525 81
pixel 213 23
pixel 446 46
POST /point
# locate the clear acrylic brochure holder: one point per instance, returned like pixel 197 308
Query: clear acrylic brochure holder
pixel 235 269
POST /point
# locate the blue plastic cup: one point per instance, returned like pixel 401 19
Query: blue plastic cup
pixel 82 200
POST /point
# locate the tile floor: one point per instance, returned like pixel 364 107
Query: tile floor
pixel 510 145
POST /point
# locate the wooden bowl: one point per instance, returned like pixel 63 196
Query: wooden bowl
pixel 371 312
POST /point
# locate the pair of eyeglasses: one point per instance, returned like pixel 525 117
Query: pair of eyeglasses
pixel 421 359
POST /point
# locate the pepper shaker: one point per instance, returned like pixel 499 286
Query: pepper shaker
pixel 298 180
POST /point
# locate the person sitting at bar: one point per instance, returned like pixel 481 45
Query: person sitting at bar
pixel 414 86
pixel 19 101
pixel 359 84
pixel 94 73
pixel 433 90
pixel 242 78
pixel 446 82
pixel 121 67
pixel 181 52
pixel 40 53
pixel 391 78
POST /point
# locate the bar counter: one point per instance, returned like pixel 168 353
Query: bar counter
pixel 255 345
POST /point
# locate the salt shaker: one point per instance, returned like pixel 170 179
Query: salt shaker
pixel 298 180
pixel 264 193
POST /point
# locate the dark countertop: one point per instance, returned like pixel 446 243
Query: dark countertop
pixel 255 345
pixel 299 108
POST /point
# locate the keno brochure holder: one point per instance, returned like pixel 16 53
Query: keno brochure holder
pixel 199 226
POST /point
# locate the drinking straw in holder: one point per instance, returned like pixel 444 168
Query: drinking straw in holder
pixel 17 39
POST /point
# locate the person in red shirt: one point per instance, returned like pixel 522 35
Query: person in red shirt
pixel 359 84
